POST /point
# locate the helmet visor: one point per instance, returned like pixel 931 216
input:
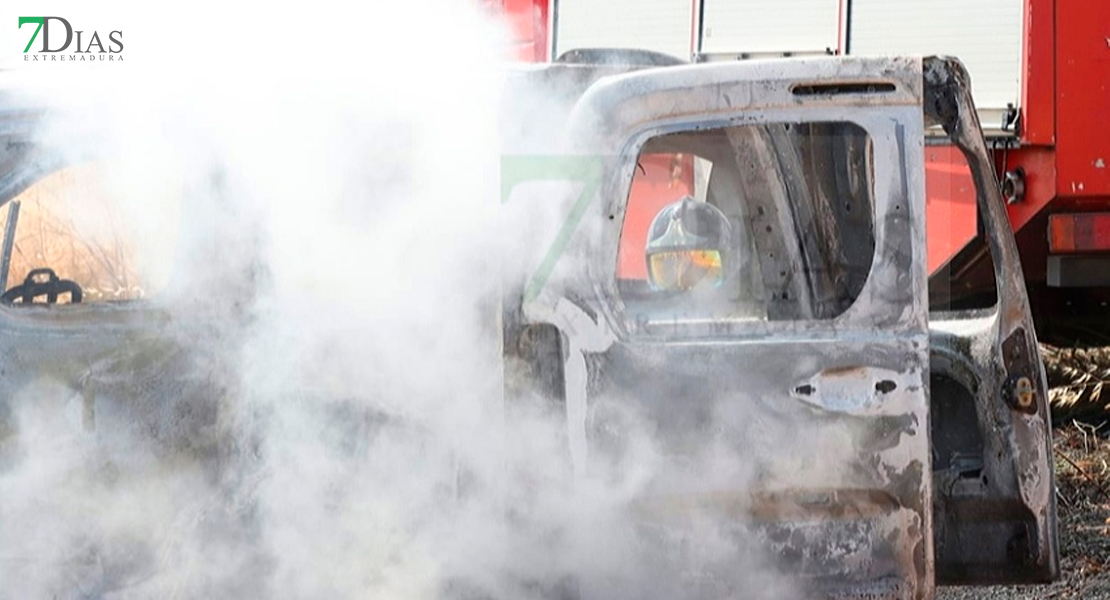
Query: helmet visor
pixel 684 269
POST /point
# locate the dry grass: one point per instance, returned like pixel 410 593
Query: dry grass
pixel 67 224
pixel 1083 494
pixel 1077 379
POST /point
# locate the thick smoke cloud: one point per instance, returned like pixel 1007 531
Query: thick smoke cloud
pixel 328 419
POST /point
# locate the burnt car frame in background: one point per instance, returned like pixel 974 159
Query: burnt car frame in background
pixel 971 379
pixel 970 406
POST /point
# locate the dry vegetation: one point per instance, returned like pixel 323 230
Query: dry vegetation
pixel 1083 494
pixel 66 224
pixel 1078 378
pixel 1080 395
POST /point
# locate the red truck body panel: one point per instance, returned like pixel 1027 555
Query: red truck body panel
pixel 1083 99
pixel 1063 147
pixel 527 22
pixel 950 215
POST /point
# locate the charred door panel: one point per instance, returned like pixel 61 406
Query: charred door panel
pixel 995 500
pixel 820 451
pixel 785 399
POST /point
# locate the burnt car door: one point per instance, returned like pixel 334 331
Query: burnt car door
pixel 995 505
pixel 788 398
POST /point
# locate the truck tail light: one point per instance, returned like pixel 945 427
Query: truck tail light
pixel 1078 232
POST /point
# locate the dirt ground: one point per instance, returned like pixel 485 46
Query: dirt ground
pixel 1083 495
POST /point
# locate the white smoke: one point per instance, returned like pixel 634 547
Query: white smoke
pixel 334 173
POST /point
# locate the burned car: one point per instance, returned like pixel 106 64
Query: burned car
pixel 734 294
pixel 750 282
